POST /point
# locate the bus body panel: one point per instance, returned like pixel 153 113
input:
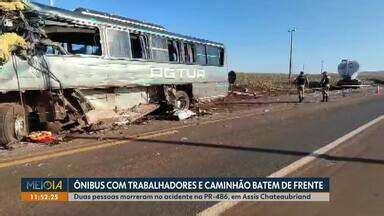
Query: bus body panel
pixel 113 83
pixel 92 72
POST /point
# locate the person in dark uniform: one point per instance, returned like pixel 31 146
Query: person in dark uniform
pixel 326 85
pixel 231 80
pixel 301 81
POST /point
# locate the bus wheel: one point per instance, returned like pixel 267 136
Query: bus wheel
pixel 182 100
pixel 13 123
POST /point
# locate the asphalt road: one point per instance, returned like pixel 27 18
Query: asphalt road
pixel 356 177
pixel 251 146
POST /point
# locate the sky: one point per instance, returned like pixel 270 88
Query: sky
pixel 255 32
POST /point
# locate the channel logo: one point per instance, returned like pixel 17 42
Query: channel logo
pixel 44 184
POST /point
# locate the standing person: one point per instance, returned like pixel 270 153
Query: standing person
pixel 300 82
pixel 326 85
pixel 231 80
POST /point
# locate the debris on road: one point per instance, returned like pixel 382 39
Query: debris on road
pixel 42 137
pixel 203 112
pixel 135 114
pixel 246 93
pixel 183 114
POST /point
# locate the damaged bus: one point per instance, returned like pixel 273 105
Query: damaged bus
pixel 61 69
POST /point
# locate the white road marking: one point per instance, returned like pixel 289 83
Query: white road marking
pixel 221 207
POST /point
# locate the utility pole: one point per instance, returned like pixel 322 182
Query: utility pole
pixel 291 31
pixel 322 66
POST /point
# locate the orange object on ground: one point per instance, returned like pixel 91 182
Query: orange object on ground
pixel 44 137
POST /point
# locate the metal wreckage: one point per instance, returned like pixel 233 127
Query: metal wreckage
pixel 62 69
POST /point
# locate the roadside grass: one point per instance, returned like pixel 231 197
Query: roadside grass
pixel 373 77
pixel 274 84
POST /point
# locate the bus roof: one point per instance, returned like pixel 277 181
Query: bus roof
pixel 91 17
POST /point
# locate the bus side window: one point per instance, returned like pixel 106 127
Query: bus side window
pixel 118 43
pixel 222 56
pixel 75 40
pixel 213 56
pixel 189 53
pixel 201 54
pixel 159 49
pixel 174 51
pixel 139 46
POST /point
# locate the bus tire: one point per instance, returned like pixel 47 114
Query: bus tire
pixel 13 124
pixel 182 101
